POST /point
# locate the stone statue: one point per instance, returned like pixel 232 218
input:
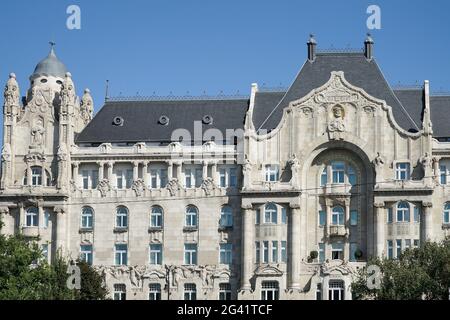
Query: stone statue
pixel 6 152
pixel 295 165
pixel 87 106
pixel 12 94
pixel 68 90
pixel 247 172
pixel 337 123
pixel 426 160
pixel 37 134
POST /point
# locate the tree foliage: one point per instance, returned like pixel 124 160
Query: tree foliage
pixel 26 275
pixel 418 274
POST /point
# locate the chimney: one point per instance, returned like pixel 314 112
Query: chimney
pixel 311 48
pixel 368 47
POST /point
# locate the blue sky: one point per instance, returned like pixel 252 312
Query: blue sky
pixel 208 45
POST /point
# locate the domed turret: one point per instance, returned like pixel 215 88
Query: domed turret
pixel 50 66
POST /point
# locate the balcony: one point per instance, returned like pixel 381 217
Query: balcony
pixel 337 231
pixel 30 232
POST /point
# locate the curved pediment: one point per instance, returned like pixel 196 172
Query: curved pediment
pixel 268 271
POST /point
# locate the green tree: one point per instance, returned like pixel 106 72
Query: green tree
pixel 419 273
pixel 25 274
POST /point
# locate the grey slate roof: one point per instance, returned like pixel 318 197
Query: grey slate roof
pixel 357 70
pixel 51 66
pixel 141 119
pixel 440 116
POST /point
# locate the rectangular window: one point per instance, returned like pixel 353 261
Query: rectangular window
pixel 324 177
pixel 190 254
pixel 284 251
pixel 188 178
pixel 44 249
pixel 156 254
pixel 258 217
pixel 224 291
pixel 337 251
pixel 416 214
pixel 283 215
pixel 321 252
pixel 353 248
pixel 402 171
pixel 272 173
pixel 443 171
pixel 322 218
pixel 153 179
pixel 94 179
pixel 353 218
pixel 223 178
pixel 390 249
pixel 198 177
pixel 398 248
pixel 46 218
pixel 119 179
pixel 270 290
pixel 233 177
pixel 319 291
pixel 407 243
pixel 274 251
pixel 36 176
pixel 226 253
pixel 86 254
pixel 32 217
pixel 154 291
pixel 265 258
pixel 190 291
pixel 129 179
pixel 390 216
pixel 120 292
pixel 85 177
pixel 416 243
pixel 121 253
pixel 338 169
pixel 163 178
pixel 257 252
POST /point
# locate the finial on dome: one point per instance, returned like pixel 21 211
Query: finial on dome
pixel 12 75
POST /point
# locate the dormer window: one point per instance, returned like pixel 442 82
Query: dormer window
pixel 272 173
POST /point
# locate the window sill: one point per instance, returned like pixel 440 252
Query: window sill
pixel 445 226
pixel 120 230
pixel 86 230
pixel 190 229
pixel 155 229
pixel 225 228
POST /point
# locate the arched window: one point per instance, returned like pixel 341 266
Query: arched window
pixel 447 213
pixel 403 212
pixel 87 218
pixel 122 217
pixel 156 217
pixel 36 176
pixel 191 216
pixel 337 216
pixel 270 213
pixel 32 217
pixel 226 217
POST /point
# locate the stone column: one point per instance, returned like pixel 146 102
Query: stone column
pixel 22 221
pixel 295 247
pixel 347 216
pixel 205 170
pixel 214 175
pixel 29 175
pixel 61 222
pixel 169 170
pixel 145 172
pixel 427 222
pixel 247 245
pixel 135 171
pixel 379 227
pixel 110 166
pixel 101 167
pixel 41 215
pixel 329 204
pixel 179 170
pixel 44 176
pixel 75 172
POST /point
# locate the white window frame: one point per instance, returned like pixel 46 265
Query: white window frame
pixel 337 247
pixel 257 252
pixel 156 217
pixel 338 172
pixel 37 176
pixel 156 254
pixel 226 253
pixel 284 251
pixel 158 178
pixel 446 213
pixel 190 291
pixel 274 256
pixel 32 217
pixel 270 213
pixel 121 254
pixel 337 216
pixel 195 176
pixel 191 217
pixel 272 173
pixel 87 253
pixel 87 219
pixel 124 178
pixel 224 291
pixel 270 290
pixel 190 253
pixel 336 289
pixel 402 171
pixel 265 252
pixel 122 214
pixel 154 291
pixel 403 212
pixel 226 217
pixel 120 291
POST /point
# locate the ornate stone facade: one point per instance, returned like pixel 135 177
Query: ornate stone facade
pixel 295 211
